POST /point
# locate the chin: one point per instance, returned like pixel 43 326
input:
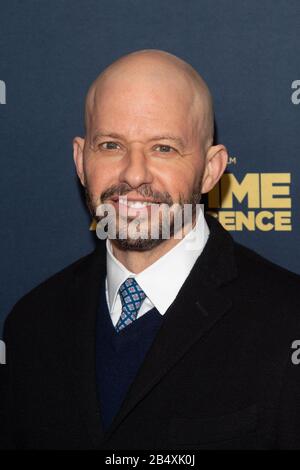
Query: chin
pixel 139 244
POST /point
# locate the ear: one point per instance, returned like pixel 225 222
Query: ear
pixel 215 165
pixel 78 144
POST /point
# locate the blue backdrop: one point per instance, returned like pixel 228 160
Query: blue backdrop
pixel 50 51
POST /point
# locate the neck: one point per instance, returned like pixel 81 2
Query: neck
pixel 136 261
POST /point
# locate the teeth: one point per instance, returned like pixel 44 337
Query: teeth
pixel 135 204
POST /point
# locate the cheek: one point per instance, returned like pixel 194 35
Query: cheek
pixel 99 175
pixel 184 178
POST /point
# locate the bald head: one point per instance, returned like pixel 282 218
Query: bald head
pixel 150 70
pixel 149 135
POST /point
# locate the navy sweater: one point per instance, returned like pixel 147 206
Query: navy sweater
pixel 119 355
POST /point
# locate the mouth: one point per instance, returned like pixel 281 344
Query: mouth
pixel 134 203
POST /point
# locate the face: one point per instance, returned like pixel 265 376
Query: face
pixel 143 142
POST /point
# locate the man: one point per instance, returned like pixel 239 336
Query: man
pixel 151 343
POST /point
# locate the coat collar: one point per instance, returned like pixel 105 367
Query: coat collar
pixel 197 307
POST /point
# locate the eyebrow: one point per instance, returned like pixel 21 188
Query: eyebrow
pixel 114 135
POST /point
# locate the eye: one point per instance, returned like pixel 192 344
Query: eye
pixel 109 146
pixel 164 148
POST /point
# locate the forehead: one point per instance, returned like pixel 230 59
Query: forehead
pixel 138 107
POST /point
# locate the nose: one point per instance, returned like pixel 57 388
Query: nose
pixel 136 169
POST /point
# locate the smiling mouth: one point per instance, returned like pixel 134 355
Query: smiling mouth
pixel 135 203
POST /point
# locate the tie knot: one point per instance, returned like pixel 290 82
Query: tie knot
pixel 131 295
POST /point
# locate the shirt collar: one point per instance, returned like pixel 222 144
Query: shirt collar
pixel 173 267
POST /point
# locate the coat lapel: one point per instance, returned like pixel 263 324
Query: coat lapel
pixel 198 306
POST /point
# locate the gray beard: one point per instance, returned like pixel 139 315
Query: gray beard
pixel 145 244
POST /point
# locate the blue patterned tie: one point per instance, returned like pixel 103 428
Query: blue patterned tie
pixel 132 297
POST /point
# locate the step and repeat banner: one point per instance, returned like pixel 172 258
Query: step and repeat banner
pixel 248 53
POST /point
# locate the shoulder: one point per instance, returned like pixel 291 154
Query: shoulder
pixel 269 294
pixel 47 295
pixel 259 270
pixel 252 269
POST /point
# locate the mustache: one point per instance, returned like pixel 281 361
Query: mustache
pixel 143 191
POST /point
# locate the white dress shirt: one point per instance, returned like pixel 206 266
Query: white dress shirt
pixel 162 280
